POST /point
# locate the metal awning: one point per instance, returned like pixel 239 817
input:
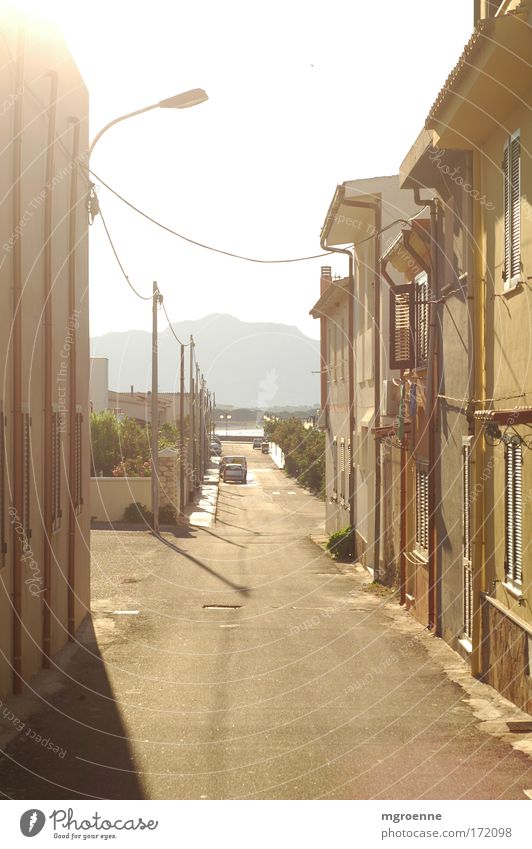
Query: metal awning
pixel 490 79
pixel 401 258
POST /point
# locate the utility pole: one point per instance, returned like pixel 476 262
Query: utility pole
pixel 202 428
pixel 157 299
pixel 192 404
pixel 182 464
pixel 198 475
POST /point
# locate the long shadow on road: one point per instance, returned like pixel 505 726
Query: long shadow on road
pixel 81 719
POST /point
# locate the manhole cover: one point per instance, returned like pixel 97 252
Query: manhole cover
pixel 222 606
pixel 519 726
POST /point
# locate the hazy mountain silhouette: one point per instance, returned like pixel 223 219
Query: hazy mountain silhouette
pixel 250 364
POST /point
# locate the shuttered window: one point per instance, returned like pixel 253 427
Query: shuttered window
pixel 514 511
pixel 402 318
pixel 26 472
pixel 422 507
pixel 511 167
pixel 78 494
pixel 335 469
pixel 3 540
pixel 342 469
pixel 56 471
pixel 422 319
pixel 466 538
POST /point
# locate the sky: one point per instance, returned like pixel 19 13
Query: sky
pixel 302 96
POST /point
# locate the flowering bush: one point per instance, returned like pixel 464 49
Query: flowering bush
pixel 137 468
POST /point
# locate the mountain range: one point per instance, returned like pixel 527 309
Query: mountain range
pixel 251 364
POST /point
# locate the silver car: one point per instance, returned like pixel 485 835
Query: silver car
pixel 234 473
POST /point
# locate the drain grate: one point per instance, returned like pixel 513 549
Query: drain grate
pixel 519 726
pixel 222 606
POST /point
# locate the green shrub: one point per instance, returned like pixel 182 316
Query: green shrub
pixel 138 514
pixel 168 515
pixel 341 544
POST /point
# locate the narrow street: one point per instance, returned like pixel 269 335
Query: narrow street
pixel 238 661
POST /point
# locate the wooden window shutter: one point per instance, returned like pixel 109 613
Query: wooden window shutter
pixel 513 566
pixel 422 319
pixel 3 540
pixel 466 538
pixel 335 468
pixel 26 461
pixel 511 167
pixel 56 471
pixel 402 318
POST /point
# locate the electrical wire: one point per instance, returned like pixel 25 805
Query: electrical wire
pixel 240 256
pixel 129 283
pixel 172 329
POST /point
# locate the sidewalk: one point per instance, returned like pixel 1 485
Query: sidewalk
pixel 202 512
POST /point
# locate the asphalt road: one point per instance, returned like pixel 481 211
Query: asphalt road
pixel 238 661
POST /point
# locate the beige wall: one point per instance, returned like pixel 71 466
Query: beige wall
pixel 109 497
pixel 509 341
pixel 43 51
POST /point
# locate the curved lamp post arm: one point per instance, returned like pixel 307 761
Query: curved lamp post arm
pixel 98 136
pixel 180 101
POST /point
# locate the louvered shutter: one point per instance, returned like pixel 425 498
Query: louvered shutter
pixel 402 318
pixel 518 508
pixel 422 319
pixel 3 541
pixel 422 507
pixel 56 471
pixel 335 469
pixel 511 166
pixel 466 538
pixel 342 469
pixel 515 207
pixel 514 511
pixel 26 460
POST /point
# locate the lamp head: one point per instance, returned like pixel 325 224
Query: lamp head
pixel 184 100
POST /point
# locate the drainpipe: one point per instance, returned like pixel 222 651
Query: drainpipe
pixel 350 329
pixel 432 402
pixel 477 295
pixel 71 594
pixel 48 324
pixel 17 540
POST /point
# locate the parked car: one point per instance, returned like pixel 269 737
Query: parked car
pixel 234 473
pixel 216 449
pixel 265 447
pixel 257 442
pixel 238 460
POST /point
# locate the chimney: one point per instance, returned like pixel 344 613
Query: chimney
pixel 326 278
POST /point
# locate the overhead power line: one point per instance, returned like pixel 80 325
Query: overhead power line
pixel 229 253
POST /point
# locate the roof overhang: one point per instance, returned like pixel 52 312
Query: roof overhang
pixel 490 79
pixel 409 254
pixel 335 292
pixel 428 165
pixel 351 216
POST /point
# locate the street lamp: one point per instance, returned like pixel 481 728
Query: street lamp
pixel 227 416
pixel 179 101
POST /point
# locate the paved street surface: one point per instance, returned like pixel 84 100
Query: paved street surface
pixel 238 661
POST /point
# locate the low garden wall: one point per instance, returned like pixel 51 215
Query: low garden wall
pixel 110 496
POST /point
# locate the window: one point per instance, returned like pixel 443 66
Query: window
pixel 342 470
pixel 511 167
pixel 3 540
pixel 26 461
pixel 513 566
pixel 335 469
pixel 402 319
pixel 466 538
pixel 422 319
pixel 422 508
pixel 409 323
pixel 77 494
pixel 56 471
